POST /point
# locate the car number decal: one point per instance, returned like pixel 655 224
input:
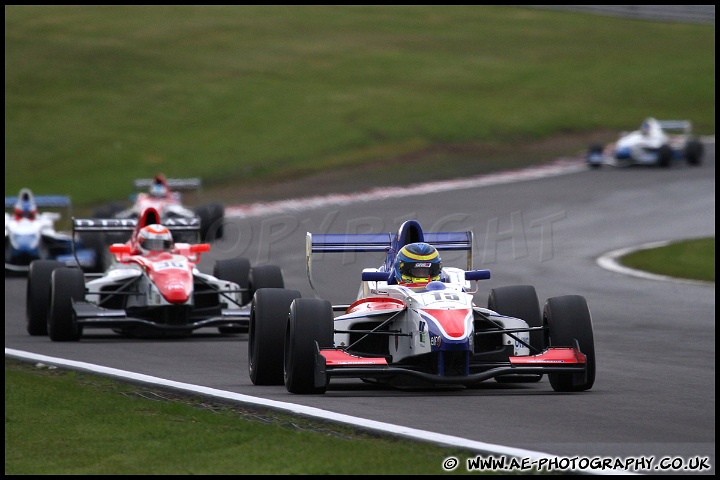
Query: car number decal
pixel 165 264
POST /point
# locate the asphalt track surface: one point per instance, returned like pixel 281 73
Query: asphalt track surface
pixel 654 394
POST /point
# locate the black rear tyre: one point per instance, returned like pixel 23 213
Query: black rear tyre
pixel 520 301
pixel 268 321
pixel 212 217
pixel 217 219
pixel 235 270
pixel 266 276
pixel 37 299
pixel 310 321
pixel 568 319
pixel 594 150
pixel 96 242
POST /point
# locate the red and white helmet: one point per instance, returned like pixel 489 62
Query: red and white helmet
pixel 155 238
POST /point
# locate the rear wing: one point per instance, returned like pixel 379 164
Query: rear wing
pixel 176 184
pixel 684 126
pixel 387 243
pixel 43 201
pixel 383 242
pixel 129 224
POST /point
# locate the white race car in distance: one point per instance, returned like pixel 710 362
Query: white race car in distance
pixel 657 142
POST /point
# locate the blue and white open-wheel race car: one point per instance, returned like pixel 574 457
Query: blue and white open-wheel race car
pixel 414 324
pixel 656 142
pixel 31 235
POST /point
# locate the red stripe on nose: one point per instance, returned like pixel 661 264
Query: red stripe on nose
pixel 452 321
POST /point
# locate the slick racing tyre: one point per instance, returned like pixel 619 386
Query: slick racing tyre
pixel 520 301
pixel 568 319
pixel 96 242
pixel 694 152
pixel 235 270
pixel 665 155
pixel 266 276
pixel 595 150
pixel 310 321
pixel 38 295
pixel 212 217
pixel 268 321
pixel 68 285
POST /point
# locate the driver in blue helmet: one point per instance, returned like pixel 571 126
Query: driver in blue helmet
pixel 417 263
pixel 645 127
pixel 158 190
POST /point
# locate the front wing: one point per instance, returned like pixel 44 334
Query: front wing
pixel 336 363
pixel 89 315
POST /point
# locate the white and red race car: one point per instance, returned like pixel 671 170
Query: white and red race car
pixel 164 195
pixel 422 335
pixel 157 294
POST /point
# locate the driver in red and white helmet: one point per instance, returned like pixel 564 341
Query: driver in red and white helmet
pixel 155 238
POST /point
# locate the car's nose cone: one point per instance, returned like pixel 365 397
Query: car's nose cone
pixel 176 294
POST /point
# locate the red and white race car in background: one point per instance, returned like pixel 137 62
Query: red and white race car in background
pixel 144 294
pixel 164 195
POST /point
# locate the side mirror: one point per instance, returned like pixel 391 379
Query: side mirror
pixel 120 248
pixel 199 248
pixel 375 276
pixel 477 274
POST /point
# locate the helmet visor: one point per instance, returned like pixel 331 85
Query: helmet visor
pixel 414 272
pixel 157 244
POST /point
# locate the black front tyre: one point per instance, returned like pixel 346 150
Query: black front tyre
pixel 268 321
pixel 68 284
pixel 665 155
pixel 37 298
pixel 310 321
pixel 568 319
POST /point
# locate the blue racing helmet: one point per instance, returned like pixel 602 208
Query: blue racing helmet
pixel 417 263
pixel 25 209
pixel 645 127
pixel 158 190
